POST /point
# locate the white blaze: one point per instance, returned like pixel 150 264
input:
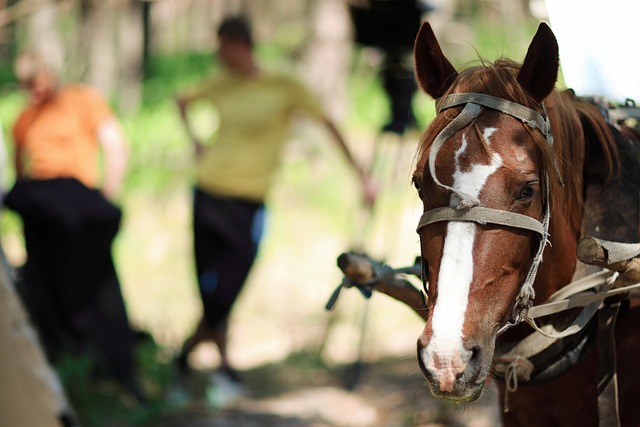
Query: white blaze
pixel 456 270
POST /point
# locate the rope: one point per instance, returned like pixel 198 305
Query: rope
pixel 525 367
pixel 527 293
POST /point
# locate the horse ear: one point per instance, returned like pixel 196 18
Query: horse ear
pixel 539 70
pixel 433 71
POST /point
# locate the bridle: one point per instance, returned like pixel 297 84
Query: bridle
pixel 465 207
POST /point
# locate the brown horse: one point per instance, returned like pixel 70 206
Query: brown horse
pixel 505 171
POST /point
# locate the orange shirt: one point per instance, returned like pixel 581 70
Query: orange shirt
pixel 60 137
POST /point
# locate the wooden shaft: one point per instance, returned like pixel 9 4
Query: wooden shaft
pixel 356 267
pixel 592 251
pixel 360 269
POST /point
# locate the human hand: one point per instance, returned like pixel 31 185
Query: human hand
pixel 370 189
pixel 180 101
pixel 197 146
pixel 195 141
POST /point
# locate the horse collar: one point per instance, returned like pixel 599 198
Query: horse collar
pixel 468 208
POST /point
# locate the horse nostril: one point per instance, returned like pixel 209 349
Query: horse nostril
pixel 475 353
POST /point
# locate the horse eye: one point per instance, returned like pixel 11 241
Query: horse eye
pixel 527 192
pixel 414 181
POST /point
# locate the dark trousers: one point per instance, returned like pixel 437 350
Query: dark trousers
pixel 227 232
pixel 70 285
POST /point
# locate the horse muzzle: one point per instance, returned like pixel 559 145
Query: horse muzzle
pixel 456 374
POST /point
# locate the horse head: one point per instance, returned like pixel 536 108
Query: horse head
pixel 481 154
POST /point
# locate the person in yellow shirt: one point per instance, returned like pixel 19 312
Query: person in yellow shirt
pixel 70 284
pixel 235 173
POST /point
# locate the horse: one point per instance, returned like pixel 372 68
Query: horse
pixel 512 173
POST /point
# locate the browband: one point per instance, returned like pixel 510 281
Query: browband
pixel 520 112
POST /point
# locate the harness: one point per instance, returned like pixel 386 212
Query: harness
pixel 465 207
pixel 517 363
pixel 548 352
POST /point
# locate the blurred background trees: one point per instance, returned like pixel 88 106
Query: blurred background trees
pixel 108 43
pixel 141 52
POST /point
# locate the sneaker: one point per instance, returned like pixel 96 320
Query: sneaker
pixel 232 374
pixel 224 389
pixel 182 365
pixel 178 395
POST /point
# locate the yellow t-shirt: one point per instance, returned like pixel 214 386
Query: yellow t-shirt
pixel 254 115
pixel 59 137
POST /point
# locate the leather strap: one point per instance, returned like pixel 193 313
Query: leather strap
pixel 482 216
pixel 608 410
pixel 526 115
pixel 520 112
pixel 469 112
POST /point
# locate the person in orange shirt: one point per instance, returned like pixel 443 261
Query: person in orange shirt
pixel 70 283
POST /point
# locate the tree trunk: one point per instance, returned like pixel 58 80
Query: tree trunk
pixel 42 32
pixel 329 56
pixel 130 46
pixel 98 45
pixel 31 393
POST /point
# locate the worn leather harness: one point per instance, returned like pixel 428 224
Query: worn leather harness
pixel 465 207
pixel 516 364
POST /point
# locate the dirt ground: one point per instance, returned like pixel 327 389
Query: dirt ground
pixel 389 393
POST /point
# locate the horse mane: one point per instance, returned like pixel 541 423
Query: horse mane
pixel 569 116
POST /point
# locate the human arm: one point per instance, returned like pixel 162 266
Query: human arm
pixel 369 188
pixel 183 105
pixel 115 156
pixel 305 101
pixel 18 161
pixel 17 132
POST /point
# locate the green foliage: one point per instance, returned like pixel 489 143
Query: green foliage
pixel 160 153
pixel 161 161
pixel 510 40
pixel 6 73
pixel 102 402
pixel 165 75
pixel 11 101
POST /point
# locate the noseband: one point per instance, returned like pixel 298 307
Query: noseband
pixel 465 207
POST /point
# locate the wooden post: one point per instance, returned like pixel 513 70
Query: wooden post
pixel 360 269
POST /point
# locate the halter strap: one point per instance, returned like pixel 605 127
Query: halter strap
pixel 519 111
pixel 526 115
pixel 463 119
pixel 482 216
pixel 467 208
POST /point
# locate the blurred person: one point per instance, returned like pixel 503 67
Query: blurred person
pixel 235 173
pixel 69 221
pixel 391 28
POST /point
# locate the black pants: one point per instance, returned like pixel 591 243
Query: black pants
pixel 70 285
pixel 226 236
